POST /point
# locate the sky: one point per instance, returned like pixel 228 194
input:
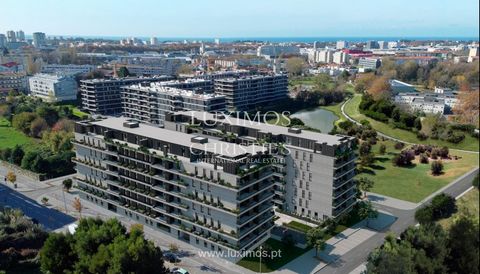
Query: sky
pixel 243 18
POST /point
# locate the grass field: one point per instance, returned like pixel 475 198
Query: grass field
pixel 298 226
pixel 467 203
pixel 9 137
pixel 288 253
pixel 77 112
pixel 351 109
pixel 413 183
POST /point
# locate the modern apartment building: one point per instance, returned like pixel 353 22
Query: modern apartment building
pixel 313 172
pixel 342 45
pixel 369 63
pixel 53 87
pixel 210 193
pixel 274 51
pixel 340 57
pixel 12 81
pixel 196 84
pixel 247 93
pixel 148 102
pixel 70 69
pixel 39 39
pixel 103 96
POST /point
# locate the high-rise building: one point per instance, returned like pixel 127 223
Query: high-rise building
pixel 324 56
pixel 20 36
pixel 11 37
pixel 342 45
pixel 3 41
pixel 369 63
pixel 153 41
pixel 371 45
pixel 53 87
pixel 213 194
pixel 149 102
pixel 103 96
pixel 340 57
pixel 473 54
pixel 274 51
pixel 382 44
pixel 249 92
pixel 39 39
pixel 315 45
pixel 217 41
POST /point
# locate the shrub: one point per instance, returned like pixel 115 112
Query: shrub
pixel 421 136
pixel 424 158
pixel 436 167
pixel 399 145
pixel 424 215
pixel 405 158
pixel 382 149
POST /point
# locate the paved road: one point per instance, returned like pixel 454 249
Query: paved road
pixel 352 259
pixel 51 219
pixel 342 108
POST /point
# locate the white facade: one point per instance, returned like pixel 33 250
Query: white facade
pixel 66 69
pixel 342 44
pixel 427 102
pixel 340 57
pixel 276 50
pixel 53 88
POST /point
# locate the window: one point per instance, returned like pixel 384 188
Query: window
pixel 311 157
pixel 309 195
pixel 307 185
pixel 303 194
pixel 296 154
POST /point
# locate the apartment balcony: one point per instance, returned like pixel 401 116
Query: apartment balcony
pixel 338 202
pixel 256 223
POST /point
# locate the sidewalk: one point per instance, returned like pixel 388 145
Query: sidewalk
pixel 390 202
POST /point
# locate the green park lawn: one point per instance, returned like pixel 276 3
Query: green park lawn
pixel 351 109
pixel 9 137
pixel 288 253
pixel 467 203
pixel 298 226
pixel 413 183
pixel 77 112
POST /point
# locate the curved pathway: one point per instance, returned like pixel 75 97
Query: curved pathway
pixel 342 108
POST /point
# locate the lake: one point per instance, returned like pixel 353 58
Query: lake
pixel 318 118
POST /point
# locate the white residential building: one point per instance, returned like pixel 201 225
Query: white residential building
pixel 340 57
pixel 342 44
pixel 53 87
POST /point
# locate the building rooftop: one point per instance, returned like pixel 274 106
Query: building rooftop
pixel 229 150
pixel 269 128
pixel 160 88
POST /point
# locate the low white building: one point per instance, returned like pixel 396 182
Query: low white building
pixel 427 102
pixel 53 87
pixel 67 69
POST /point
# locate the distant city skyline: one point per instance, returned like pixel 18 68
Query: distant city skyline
pixel 248 19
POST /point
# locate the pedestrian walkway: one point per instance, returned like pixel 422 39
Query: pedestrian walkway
pixel 390 202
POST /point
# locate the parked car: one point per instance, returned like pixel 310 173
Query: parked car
pixel 177 270
pixel 171 257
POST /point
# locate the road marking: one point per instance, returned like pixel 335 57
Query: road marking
pixel 463 193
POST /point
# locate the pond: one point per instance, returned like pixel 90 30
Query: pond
pixel 318 118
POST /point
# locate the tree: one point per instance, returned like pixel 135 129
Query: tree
pixel 365 184
pixel 424 215
pixel 77 204
pixel 58 141
pixel 49 113
pixel 17 155
pixel 44 201
pixel 67 184
pixel 22 121
pixel 315 239
pixel 364 82
pixel 295 65
pixel 11 177
pixel 185 69
pixel 404 158
pixel 57 255
pixel 380 89
pixel 173 247
pixel 467 108
pixel 123 72
pixel 101 247
pixel 37 127
pixel 464 244
pixel 382 149
pixel 367 211
pixel 436 168
pixel 323 82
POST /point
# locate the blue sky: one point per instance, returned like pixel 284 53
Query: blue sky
pixel 243 18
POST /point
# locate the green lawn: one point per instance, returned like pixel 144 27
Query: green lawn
pixel 9 137
pixel 298 226
pixel 351 109
pixel 77 112
pixel 467 203
pixel 337 110
pixel 413 183
pixel 287 254
pixel 301 80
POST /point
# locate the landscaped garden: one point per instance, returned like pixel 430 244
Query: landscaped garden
pixel 352 110
pixel 414 182
pixel 9 136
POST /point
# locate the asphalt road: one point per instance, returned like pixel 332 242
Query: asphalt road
pixel 51 219
pixel 405 218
